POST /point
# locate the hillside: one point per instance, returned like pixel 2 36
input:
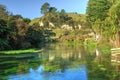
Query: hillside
pixel 78 17
pixel 66 32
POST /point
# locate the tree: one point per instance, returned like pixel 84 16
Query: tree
pixel 3 12
pixel 45 8
pixel 52 10
pixel 18 17
pixel 104 18
pixel 4 35
pixel 113 23
pixel 63 16
pixel 26 20
pixel 96 14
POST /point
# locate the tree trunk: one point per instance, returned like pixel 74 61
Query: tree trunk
pixel 117 40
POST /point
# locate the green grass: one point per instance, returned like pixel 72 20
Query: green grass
pixel 20 51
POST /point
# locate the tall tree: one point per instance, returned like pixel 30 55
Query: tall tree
pixel 113 23
pixel 4 35
pixel 96 13
pixel 52 10
pixel 3 12
pixel 45 8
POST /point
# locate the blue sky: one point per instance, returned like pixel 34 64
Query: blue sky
pixel 31 8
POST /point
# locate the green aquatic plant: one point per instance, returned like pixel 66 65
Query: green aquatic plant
pixel 20 51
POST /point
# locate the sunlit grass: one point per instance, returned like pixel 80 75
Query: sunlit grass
pixel 20 51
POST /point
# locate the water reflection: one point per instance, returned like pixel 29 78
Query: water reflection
pixel 15 64
pixel 60 62
pixel 64 52
pixel 115 56
pixel 100 67
pixel 78 73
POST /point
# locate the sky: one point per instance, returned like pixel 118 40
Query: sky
pixel 31 8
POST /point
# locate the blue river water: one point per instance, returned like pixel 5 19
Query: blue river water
pixel 78 73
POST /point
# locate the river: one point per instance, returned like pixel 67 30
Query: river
pixel 60 62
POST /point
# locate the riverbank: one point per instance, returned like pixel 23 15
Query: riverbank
pixel 20 51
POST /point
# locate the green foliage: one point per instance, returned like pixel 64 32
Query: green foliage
pixel 17 32
pixel 52 10
pixel 15 66
pixel 103 16
pixel 45 8
pixel 105 47
pixel 111 31
pixel 26 20
pixel 35 20
pixel 35 35
pixel 4 34
pixel 96 13
pixel 90 44
pixel 74 37
pixel 97 10
pixel 81 18
pixel 3 12
pixel 58 18
pixel 113 20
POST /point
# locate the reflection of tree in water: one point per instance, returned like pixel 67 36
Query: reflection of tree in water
pixel 15 64
pixel 62 56
pixel 101 68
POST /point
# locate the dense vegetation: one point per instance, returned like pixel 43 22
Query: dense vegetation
pixel 98 30
pixel 17 32
pixel 103 16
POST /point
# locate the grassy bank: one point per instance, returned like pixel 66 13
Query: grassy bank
pixel 20 51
